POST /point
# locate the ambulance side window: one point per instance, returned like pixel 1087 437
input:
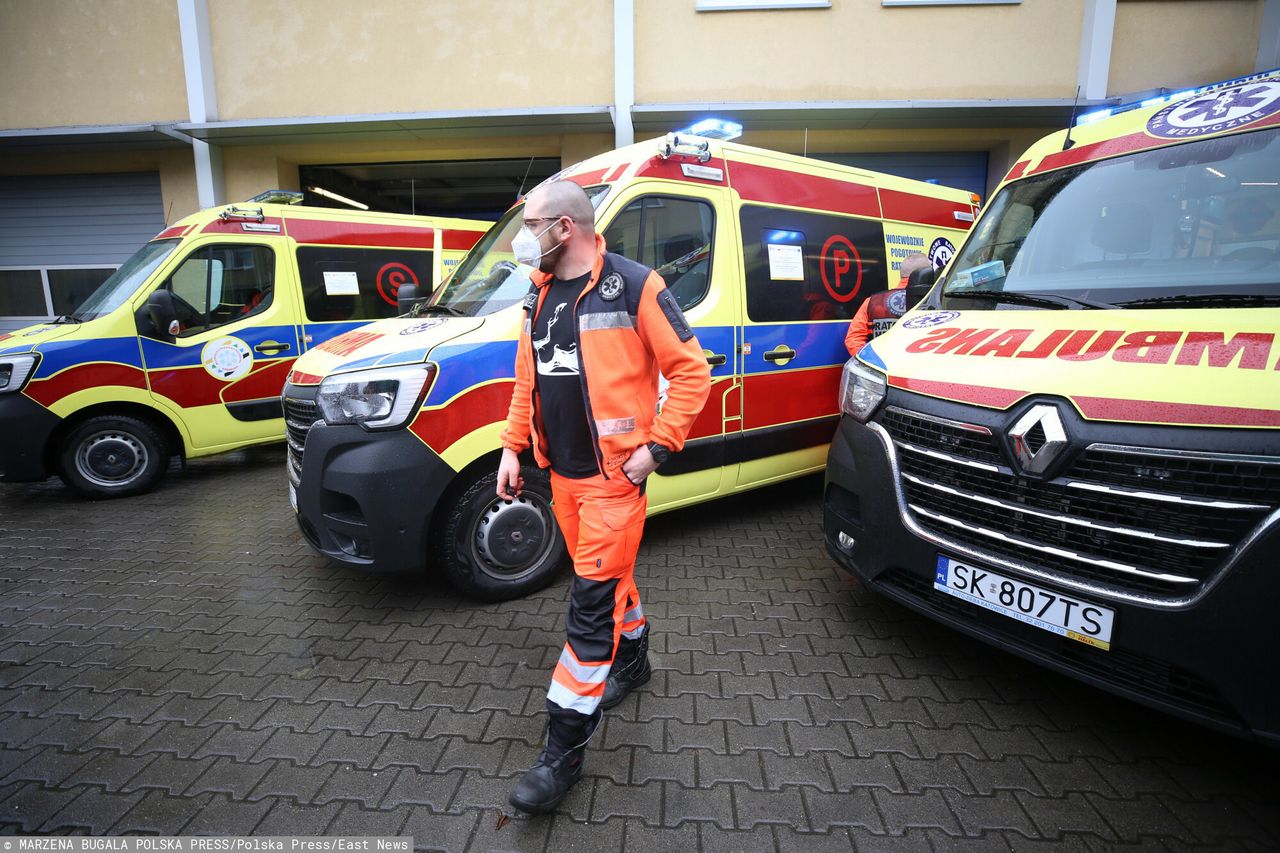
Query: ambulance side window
pixel 805 267
pixel 671 235
pixel 359 284
pixel 220 284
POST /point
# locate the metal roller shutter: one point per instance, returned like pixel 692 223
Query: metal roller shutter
pixel 61 235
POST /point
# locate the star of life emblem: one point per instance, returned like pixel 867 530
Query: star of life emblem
pixel 611 287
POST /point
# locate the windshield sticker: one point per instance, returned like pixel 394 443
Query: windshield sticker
pixel 975 277
pixel 940 252
pixel 1218 111
pixel 425 325
pixel 226 358
pixel 933 318
pixel 1243 350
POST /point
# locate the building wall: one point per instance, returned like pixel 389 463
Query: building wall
pixel 856 51
pixel 64 62
pixel 1182 43
pixel 333 57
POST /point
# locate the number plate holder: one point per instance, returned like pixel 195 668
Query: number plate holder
pixel 1033 605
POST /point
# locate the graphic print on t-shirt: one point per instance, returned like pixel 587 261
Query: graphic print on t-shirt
pixel 552 359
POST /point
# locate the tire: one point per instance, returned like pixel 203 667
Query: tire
pixel 113 456
pixel 497 550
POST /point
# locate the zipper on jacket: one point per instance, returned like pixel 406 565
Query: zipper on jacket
pixel 582 370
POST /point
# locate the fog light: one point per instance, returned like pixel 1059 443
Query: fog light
pixel 845 541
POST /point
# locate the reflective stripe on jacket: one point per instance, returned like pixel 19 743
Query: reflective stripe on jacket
pixel 628 327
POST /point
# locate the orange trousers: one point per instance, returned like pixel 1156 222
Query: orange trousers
pixel 602 521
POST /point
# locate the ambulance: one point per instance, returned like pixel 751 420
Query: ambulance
pixel 1070 448
pixel 394 428
pixel 184 349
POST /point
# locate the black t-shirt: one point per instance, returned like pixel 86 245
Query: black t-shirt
pixel 558 381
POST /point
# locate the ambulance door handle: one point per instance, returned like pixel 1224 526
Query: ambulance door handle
pixel 715 359
pixel 782 354
pixel 270 347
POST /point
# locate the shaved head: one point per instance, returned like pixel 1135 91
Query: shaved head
pixel 562 198
pixel 912 262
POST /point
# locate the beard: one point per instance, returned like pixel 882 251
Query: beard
pixel 547 263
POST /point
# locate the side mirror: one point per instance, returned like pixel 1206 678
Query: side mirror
pixel 163 314
pixel 919 285
pixel 407 296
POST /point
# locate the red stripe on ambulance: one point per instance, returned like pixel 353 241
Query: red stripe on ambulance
pixel 795 189
pixel 100 374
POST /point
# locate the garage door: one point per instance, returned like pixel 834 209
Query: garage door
pixel 61 236
pixel 966 170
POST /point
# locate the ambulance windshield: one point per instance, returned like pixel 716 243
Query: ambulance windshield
pixel 125 281
pixel 1190 225
pixel 489 279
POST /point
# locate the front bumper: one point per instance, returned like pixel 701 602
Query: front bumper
pixel 1208 662
pixel 366 499
pixel 25 427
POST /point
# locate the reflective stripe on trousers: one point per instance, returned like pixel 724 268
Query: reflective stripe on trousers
pixel 602 521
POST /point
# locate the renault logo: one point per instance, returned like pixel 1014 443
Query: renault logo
pixel 1037 439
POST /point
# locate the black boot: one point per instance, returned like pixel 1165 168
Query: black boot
pixel 630 670
pixel 544 786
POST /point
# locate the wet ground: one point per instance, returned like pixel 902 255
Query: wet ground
pixel 182 663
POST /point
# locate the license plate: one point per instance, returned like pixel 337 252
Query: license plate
pixel 1063 615
pixel 293 497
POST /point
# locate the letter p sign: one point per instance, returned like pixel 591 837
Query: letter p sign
pixel 841 267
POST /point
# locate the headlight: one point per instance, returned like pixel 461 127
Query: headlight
pixel 861 390
pixel 14 370
pixel 374 399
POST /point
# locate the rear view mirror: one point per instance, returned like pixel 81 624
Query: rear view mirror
pixel 163 315
pixel 407 297
pixel 919 285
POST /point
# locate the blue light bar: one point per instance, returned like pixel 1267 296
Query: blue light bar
pixel 714 128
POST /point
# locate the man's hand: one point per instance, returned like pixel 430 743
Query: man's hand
pixel 510 483
pixel 640 465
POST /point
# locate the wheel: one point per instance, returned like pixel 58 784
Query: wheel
pixel 497 550
pixel 113 456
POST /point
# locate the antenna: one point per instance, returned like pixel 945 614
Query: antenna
pixel 1068 142
pixel 520 192
pixel 413 196
pixel 806 142
pixel 167 214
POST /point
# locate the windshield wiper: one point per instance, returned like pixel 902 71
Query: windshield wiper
pixel 1207 300
pixel 1048 300
pixel 419 310
pixel 67 318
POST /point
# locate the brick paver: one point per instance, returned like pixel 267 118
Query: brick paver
pixel 182 663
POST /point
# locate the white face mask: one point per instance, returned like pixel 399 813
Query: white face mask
pixel 527 249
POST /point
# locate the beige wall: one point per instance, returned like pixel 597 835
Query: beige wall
pixel 857 50
pixel 64 62
pixel 408 55
pixel 1182 43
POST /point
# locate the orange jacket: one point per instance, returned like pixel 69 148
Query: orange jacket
pixel 861 328
pixel 628 328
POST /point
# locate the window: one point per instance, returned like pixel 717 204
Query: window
pixel 673 236
pixel 752 5
pixel 217 285
pixel 69 288
pixel 359 284
pixel 22 294
pixel 809 266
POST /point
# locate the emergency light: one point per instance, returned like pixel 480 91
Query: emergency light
pixel 713 128
pixel 1099 115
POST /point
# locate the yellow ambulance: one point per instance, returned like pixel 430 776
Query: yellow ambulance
pixel 1071 447
pixel 393 428
pixel 184 349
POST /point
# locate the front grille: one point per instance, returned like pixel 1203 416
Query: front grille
pixel 300 415
pixel 1136 521
pixel 1118 667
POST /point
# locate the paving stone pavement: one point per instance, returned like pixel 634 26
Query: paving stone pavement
pixel 181 663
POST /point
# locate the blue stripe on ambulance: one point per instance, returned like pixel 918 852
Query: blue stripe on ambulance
pixel 59 355
pixel 816 345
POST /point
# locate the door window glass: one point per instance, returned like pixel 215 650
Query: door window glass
pixel 217 285
pixel 671 235
pixel 805 267
pixel 359 284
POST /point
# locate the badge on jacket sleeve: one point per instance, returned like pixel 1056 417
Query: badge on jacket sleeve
pixel 611 287
pixel 531 300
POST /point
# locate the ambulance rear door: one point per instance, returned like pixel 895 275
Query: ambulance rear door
pixel 681 230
